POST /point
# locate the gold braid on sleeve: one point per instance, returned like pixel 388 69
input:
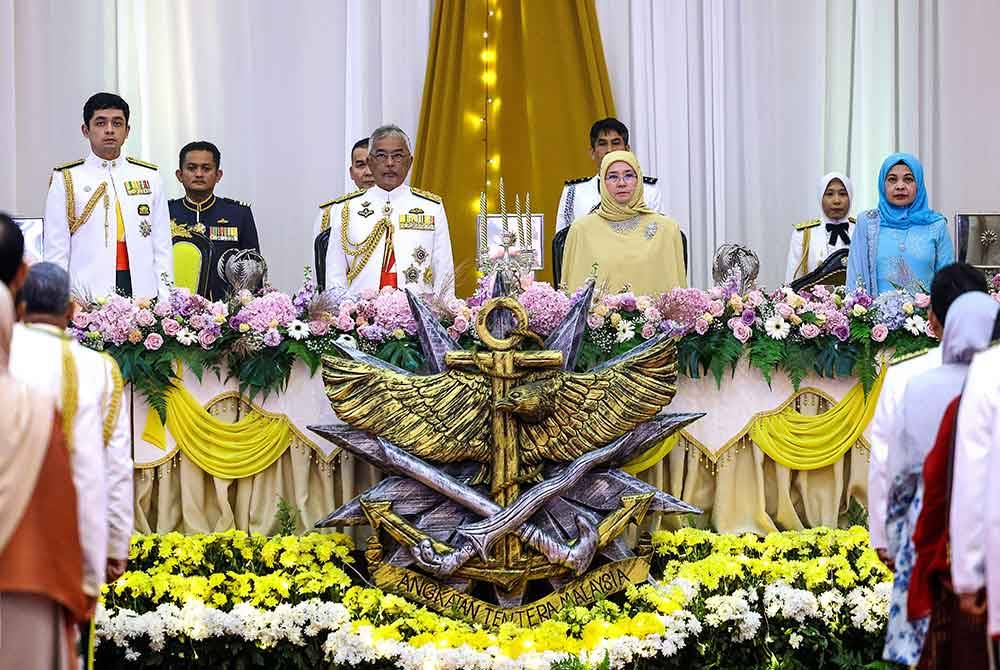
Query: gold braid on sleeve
pixel 324 224
pixel 114 409
pixel 360 252
pixel 70 393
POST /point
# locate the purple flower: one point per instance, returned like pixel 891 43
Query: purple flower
pixel 701 326
pixel 267 312
pixel 318 328
pixel 272 338
pixel 170 327
pixel 208 337
pixel 748 317
pixel 546 307
pixel 863 299
pixel 626 302
pixel 842 332
pixel 153 341
pixel 809 330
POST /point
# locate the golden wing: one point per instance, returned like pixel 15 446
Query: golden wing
pixel 591 409
pixel 442 417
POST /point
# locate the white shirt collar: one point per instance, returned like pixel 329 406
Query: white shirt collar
pixel 96 161
pixel 378 194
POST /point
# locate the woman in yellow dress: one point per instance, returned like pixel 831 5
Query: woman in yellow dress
pixel 623 241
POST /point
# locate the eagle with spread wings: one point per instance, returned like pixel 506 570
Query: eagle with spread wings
pixel 445 417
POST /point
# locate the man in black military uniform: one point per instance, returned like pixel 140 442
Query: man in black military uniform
pixel 227 223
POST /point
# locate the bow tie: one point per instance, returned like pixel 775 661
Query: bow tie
pixel 838 230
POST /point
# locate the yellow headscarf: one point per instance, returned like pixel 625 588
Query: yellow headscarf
pixel 609 208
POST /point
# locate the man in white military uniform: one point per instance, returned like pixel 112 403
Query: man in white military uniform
pixel 582 196
pixel 106 217
pixel 390 234
pixel 88 389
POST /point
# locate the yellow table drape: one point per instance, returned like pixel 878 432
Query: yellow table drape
pixel 517 103
pixel 222 449
pixel 804 442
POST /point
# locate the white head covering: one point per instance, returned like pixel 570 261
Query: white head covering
pixel 25 425
pixel 821 189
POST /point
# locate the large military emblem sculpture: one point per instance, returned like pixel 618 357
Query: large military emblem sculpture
pixel 504 500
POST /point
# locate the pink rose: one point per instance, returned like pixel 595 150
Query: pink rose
pixel 162 309
pixel 345 323
pixel 198 322
pixel 742 331
pixel 755 299
pixel 701 326
pixel 170 327
pixel 809 330
pixel 880 331
pixel 715 292
pixel 453 334
pixel 785 310
pixel 145 318
pixel 716 308
pixel 595 321
pixel 153 341
pixel 929 329
pixel 648 331
pixel 318 328
pixel 207 338
pixel 461 324
pixel 81 319
pixel 921 300
pixel 368 293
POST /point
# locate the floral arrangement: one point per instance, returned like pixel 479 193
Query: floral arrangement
pixel 788 600
pixel 258 338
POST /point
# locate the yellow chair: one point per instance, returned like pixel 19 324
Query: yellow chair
pixel 192 259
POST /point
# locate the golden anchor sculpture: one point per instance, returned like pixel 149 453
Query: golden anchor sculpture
pixel 503 462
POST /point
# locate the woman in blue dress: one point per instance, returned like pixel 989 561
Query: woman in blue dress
pixel 903 242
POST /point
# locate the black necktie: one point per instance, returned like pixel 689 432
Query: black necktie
pixel 838 230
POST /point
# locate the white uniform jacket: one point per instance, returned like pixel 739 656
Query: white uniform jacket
pixel 810 245
pixel 81 227
pixel 100 439
pixel 420 237
pixel 886 430
pixel 582 196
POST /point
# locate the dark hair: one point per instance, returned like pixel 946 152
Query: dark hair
pixel 200 145
pixel 952 281
pixel 11 248
pixel 100 101
pixel 45 290
pixel 360 144
pixel 608 125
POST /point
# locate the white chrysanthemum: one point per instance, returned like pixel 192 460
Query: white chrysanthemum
pixel 298 330
pixel 777 328
pixel 794 640
pixel 915 324
pixel 626 331
pixel 780 599
pixel 186 337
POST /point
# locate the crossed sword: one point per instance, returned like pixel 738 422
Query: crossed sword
pixel 501 521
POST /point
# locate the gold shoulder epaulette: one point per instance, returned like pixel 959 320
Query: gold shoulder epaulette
pixel 909 357
pixel 578 180
pixel 649 180
pixel 427 195
pixel 343 198
pixel 69 165
pixel 811 223
pixel 136 161
pixel 241 203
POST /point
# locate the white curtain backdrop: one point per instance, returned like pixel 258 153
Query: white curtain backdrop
pixel 737 106
pixel 740 107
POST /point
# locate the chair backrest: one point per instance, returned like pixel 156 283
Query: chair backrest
pixel 831 272
pixel 319 258
pixel 192 257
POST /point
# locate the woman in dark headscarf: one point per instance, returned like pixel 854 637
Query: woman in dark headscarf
pixel 967 330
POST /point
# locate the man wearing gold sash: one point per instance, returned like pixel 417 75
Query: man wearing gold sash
pixel 390 234
pixel 106 218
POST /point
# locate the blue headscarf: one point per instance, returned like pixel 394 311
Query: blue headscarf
pixel 917 213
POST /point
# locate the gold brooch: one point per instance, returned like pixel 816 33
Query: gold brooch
pixel 988 237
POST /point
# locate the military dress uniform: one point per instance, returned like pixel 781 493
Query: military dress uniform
pixel 582 196
pixel 106 223
pixel 227 223
pixel 384 238
pixel 812 241
pixel 88 389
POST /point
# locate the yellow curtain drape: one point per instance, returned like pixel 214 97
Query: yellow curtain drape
pixel 801 442
pixel 652 456
pixel 222 449
pixel 543 66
